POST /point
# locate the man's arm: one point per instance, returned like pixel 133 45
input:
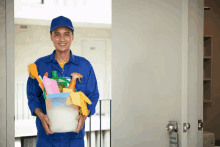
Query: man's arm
pixel 92 91
pixel 33 91
pixel 38 112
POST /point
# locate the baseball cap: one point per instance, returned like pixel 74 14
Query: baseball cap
pixel 61 21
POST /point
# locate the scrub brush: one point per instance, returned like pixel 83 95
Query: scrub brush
pixel 32 70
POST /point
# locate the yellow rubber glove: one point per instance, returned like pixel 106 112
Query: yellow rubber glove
pixel 84 98
pixel 74 97
pixel 79 99
pixel 83 103
pixel 68 100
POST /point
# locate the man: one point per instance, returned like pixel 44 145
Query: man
pixel 64 62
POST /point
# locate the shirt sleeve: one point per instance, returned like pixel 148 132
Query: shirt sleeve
pixel 92 92
pixel 33 93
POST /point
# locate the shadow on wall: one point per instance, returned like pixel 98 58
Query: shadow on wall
pixel 213 118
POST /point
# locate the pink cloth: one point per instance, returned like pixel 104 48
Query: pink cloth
pixel 50 85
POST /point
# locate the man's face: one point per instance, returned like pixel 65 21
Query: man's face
pixel 62 38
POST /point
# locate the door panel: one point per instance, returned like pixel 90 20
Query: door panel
pixel 95 52
pixel 154 71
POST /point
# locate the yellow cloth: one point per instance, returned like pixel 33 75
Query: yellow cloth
pixel 79 99
pixel 62 64
pixel 83 100
pixel 74 99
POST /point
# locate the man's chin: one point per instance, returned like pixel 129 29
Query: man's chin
pixel 62 50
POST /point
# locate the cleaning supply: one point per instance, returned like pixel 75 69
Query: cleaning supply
pixel 78 99
pixel 32 70
pixel 61 86
pixel 55 77
pixel 61 114
pixel 61 103
pixel 62 83
pixel 50 85
pixel 60 80
pixel 75 98
pixel 73 81
pixel 59 110
pixel 83 100
pixel 46 74
pixel 33 73
pixel 75 103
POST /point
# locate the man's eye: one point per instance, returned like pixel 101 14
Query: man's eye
pixel 67 34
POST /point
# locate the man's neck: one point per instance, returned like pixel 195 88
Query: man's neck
pixel 62 56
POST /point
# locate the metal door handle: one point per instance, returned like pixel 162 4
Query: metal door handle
pixel 171 128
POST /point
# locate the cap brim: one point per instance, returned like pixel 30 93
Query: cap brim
pixel 61 26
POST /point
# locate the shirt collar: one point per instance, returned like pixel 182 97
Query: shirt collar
pixel 72 58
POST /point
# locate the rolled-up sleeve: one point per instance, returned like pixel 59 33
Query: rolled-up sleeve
pixel 92 91
pixel 33 92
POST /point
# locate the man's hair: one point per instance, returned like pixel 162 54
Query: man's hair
pixel 65 27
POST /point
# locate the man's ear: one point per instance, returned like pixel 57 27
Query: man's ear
pixel 51 37
pixel 72 36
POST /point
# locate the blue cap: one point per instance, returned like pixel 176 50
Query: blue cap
pixel 61 21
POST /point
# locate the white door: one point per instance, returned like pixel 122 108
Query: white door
pixel 95 52
pixel 156 72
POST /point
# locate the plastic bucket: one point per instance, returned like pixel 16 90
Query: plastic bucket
pixel 61 115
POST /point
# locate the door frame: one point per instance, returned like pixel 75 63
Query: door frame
pixel 200 69
pixel 7 72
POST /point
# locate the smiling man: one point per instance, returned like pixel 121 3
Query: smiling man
pixel 64 62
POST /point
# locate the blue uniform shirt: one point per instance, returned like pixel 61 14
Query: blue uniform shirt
pixel 88 86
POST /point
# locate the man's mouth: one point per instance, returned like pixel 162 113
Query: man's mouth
pixel 62 44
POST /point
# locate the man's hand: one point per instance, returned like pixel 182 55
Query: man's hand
pixel 82 119
pixel 44 119
pixel 45 122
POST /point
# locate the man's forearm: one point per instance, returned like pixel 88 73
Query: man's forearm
pixel 38 112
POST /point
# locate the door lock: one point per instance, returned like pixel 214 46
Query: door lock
pixel 172 128
pixel 186 126
pixel 200 124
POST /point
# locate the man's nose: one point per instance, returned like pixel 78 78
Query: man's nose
pixel 62 38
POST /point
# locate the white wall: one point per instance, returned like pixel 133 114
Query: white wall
pixel 81 11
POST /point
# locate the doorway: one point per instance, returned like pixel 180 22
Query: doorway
pixel 92 40
pixel 211 72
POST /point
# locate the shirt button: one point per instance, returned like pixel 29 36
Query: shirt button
pixel 70 135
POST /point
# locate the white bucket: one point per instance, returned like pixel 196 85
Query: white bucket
pixel 61 116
